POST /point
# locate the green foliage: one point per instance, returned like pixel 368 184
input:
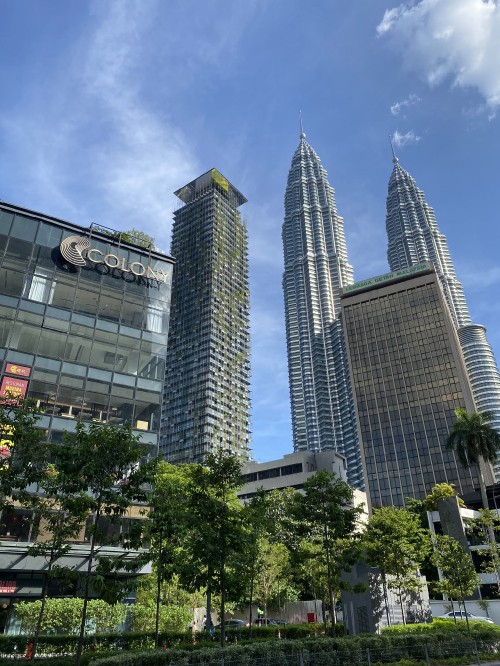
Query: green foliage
pixel 440 491
pixel 395 542
pixel 273 579
pixel 460 579
pixel 216 527
pixel 63 616
pixel 473 438
pixel 330 518
pixel 171 618
pixel 100 465
pixel 131 236
pixel 26 454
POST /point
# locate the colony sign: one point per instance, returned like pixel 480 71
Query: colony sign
pixel 77 251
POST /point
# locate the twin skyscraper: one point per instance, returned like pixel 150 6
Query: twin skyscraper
pixel 317 274
pixel 206 401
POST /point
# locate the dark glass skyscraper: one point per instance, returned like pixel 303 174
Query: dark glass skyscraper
pixel 206 400
pixel 413 237
pixel 316 268
pixel 408 377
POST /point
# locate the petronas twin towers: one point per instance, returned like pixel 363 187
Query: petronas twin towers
pixel 317 268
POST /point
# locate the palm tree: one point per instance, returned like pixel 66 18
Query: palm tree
pixel 474 441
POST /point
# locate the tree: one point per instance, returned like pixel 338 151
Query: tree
pixel 328 512
pixel 395 542
pixel 273 574
pixel 59 518
pixel 217 530
pixel 24 453
pixel 474 441
pixel 488 523
pixel 460 579
pixel 100 466
pixel 271 519
pixel 166 526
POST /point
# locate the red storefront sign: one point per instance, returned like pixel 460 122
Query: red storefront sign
pixel 21 370
pixel 7 586
pixel 13 388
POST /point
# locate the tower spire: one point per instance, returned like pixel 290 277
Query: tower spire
pixel 394 158
pixel 302 133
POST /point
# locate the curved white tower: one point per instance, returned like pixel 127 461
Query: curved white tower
pixel 413 236
pixel 316 268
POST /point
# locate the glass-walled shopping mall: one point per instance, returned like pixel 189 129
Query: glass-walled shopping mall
pixel 83 322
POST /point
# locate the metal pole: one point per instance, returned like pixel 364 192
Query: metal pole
pixel 368 657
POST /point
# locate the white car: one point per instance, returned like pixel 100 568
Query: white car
pixel 461 616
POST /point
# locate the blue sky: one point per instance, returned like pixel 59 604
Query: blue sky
pixel 107 107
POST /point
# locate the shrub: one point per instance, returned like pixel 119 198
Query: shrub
pixel 63 616
pixel 172 618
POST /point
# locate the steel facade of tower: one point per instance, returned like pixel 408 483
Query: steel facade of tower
pixel 413 237
pixel 206 400
pixel 316 268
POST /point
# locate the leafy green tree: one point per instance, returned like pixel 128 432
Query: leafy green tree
pixel 217 530
pixel 171 592
pixel 395 542
pixel 270 518
pixel 166 526
pixel 488 523
pixel 100 466
pixel 273 580
pixel 438 492
pixel 59 518
pixel 328 511
pixel 460 579
pixel 474 441
pixel 24 454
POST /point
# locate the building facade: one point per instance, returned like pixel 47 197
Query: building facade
pixel 408 377
pixel 413 237
pixel 289 472
pixel 83 332
pixel 206 401
pixel 316 268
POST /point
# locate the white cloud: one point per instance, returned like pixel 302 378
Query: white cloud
pixel 411 100
pixel 450 40
pixel 401 140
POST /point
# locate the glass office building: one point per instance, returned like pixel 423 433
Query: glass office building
pixel 408 376
pixel 83 323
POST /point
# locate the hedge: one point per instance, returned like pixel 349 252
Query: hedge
pixel 318 651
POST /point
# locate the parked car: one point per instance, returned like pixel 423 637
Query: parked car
pixel 233 624
pixel 461 616
pixel 262 621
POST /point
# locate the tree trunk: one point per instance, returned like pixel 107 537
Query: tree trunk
pixel 222 605
pixel 466 618
pixel 453 610
pixel 330 585
pixel 42 608
pixel 158 593
pixel 400 594
pixel 386 600
pixel 208 621
pixel 81 636
pixel 250 614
